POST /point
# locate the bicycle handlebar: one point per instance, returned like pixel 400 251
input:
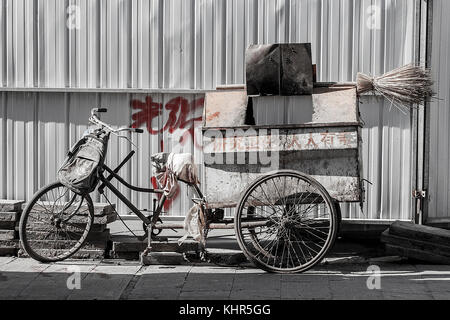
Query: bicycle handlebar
pixel 95 120
pixel 98 110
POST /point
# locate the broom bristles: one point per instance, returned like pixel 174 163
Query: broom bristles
pixel 403 87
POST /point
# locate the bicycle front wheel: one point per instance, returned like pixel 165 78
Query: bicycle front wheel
pixel 55 223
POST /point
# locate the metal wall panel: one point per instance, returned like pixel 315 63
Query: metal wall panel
pixel 192 44
pixel 439 166
pixel 177 44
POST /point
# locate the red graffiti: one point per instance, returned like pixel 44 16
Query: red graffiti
pixel 149 110
pixel 181 115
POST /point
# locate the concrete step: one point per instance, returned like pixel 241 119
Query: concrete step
pixel 94 254
pixel 418 242
pixel 420 232
pixel 221 257
pixel 11 205
pixel 8 235
pixel 226 257
pixel 128 247
pixel 417 254
pixel 163 258
pixel 9 220
pixel 9 247
pixel 8 251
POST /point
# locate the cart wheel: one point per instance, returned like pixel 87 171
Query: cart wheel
pixel 286 222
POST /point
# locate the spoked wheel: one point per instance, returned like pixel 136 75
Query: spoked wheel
pixel 286 222
pixel 55 223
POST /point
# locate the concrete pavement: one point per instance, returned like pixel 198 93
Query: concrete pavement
pixel 27 279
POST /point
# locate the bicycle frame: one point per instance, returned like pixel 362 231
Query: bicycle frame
pixel 114 174
pixel 127 202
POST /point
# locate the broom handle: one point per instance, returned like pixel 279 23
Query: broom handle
pixel 344 84
pixel 334 84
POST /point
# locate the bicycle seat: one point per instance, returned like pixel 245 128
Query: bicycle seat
pixel 180 164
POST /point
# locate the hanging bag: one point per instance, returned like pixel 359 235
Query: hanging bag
pixel 79 170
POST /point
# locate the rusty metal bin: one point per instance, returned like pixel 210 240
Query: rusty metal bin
pixel 328 148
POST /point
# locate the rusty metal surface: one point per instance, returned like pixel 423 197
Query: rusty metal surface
pixel 335 104
pixel 279 69
pixel 331 104
pixel 330 155
pixel 278 140
pixel 326 148
pixel 225 108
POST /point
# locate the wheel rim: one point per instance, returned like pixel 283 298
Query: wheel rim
pixel 297 222
pixel 56 223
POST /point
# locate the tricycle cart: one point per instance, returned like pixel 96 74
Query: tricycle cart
pixel 285 181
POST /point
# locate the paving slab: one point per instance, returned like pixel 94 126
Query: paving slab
pixel 109 279
pixel 205 295
pixel 24 265
pixel 105 282
pixel 263 282
pixel 306 290
pixel 352 289
pixel 158 283
pixel 52 282
pixel 268 294
pixel 16 275
pixel 5 260
pixel 205 282
pixel 211 269
pixel 13 283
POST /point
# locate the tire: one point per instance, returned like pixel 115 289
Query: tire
pixel 293 211
pixel 55 223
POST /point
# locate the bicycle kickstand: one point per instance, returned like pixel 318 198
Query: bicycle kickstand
pixel 149 241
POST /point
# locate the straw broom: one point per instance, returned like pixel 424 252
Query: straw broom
pixel 404 87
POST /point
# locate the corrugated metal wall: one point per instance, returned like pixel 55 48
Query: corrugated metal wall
pixel 192 44
pixel 196 45
pixel 439 167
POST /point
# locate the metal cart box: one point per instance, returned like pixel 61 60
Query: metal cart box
pixel 328 149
